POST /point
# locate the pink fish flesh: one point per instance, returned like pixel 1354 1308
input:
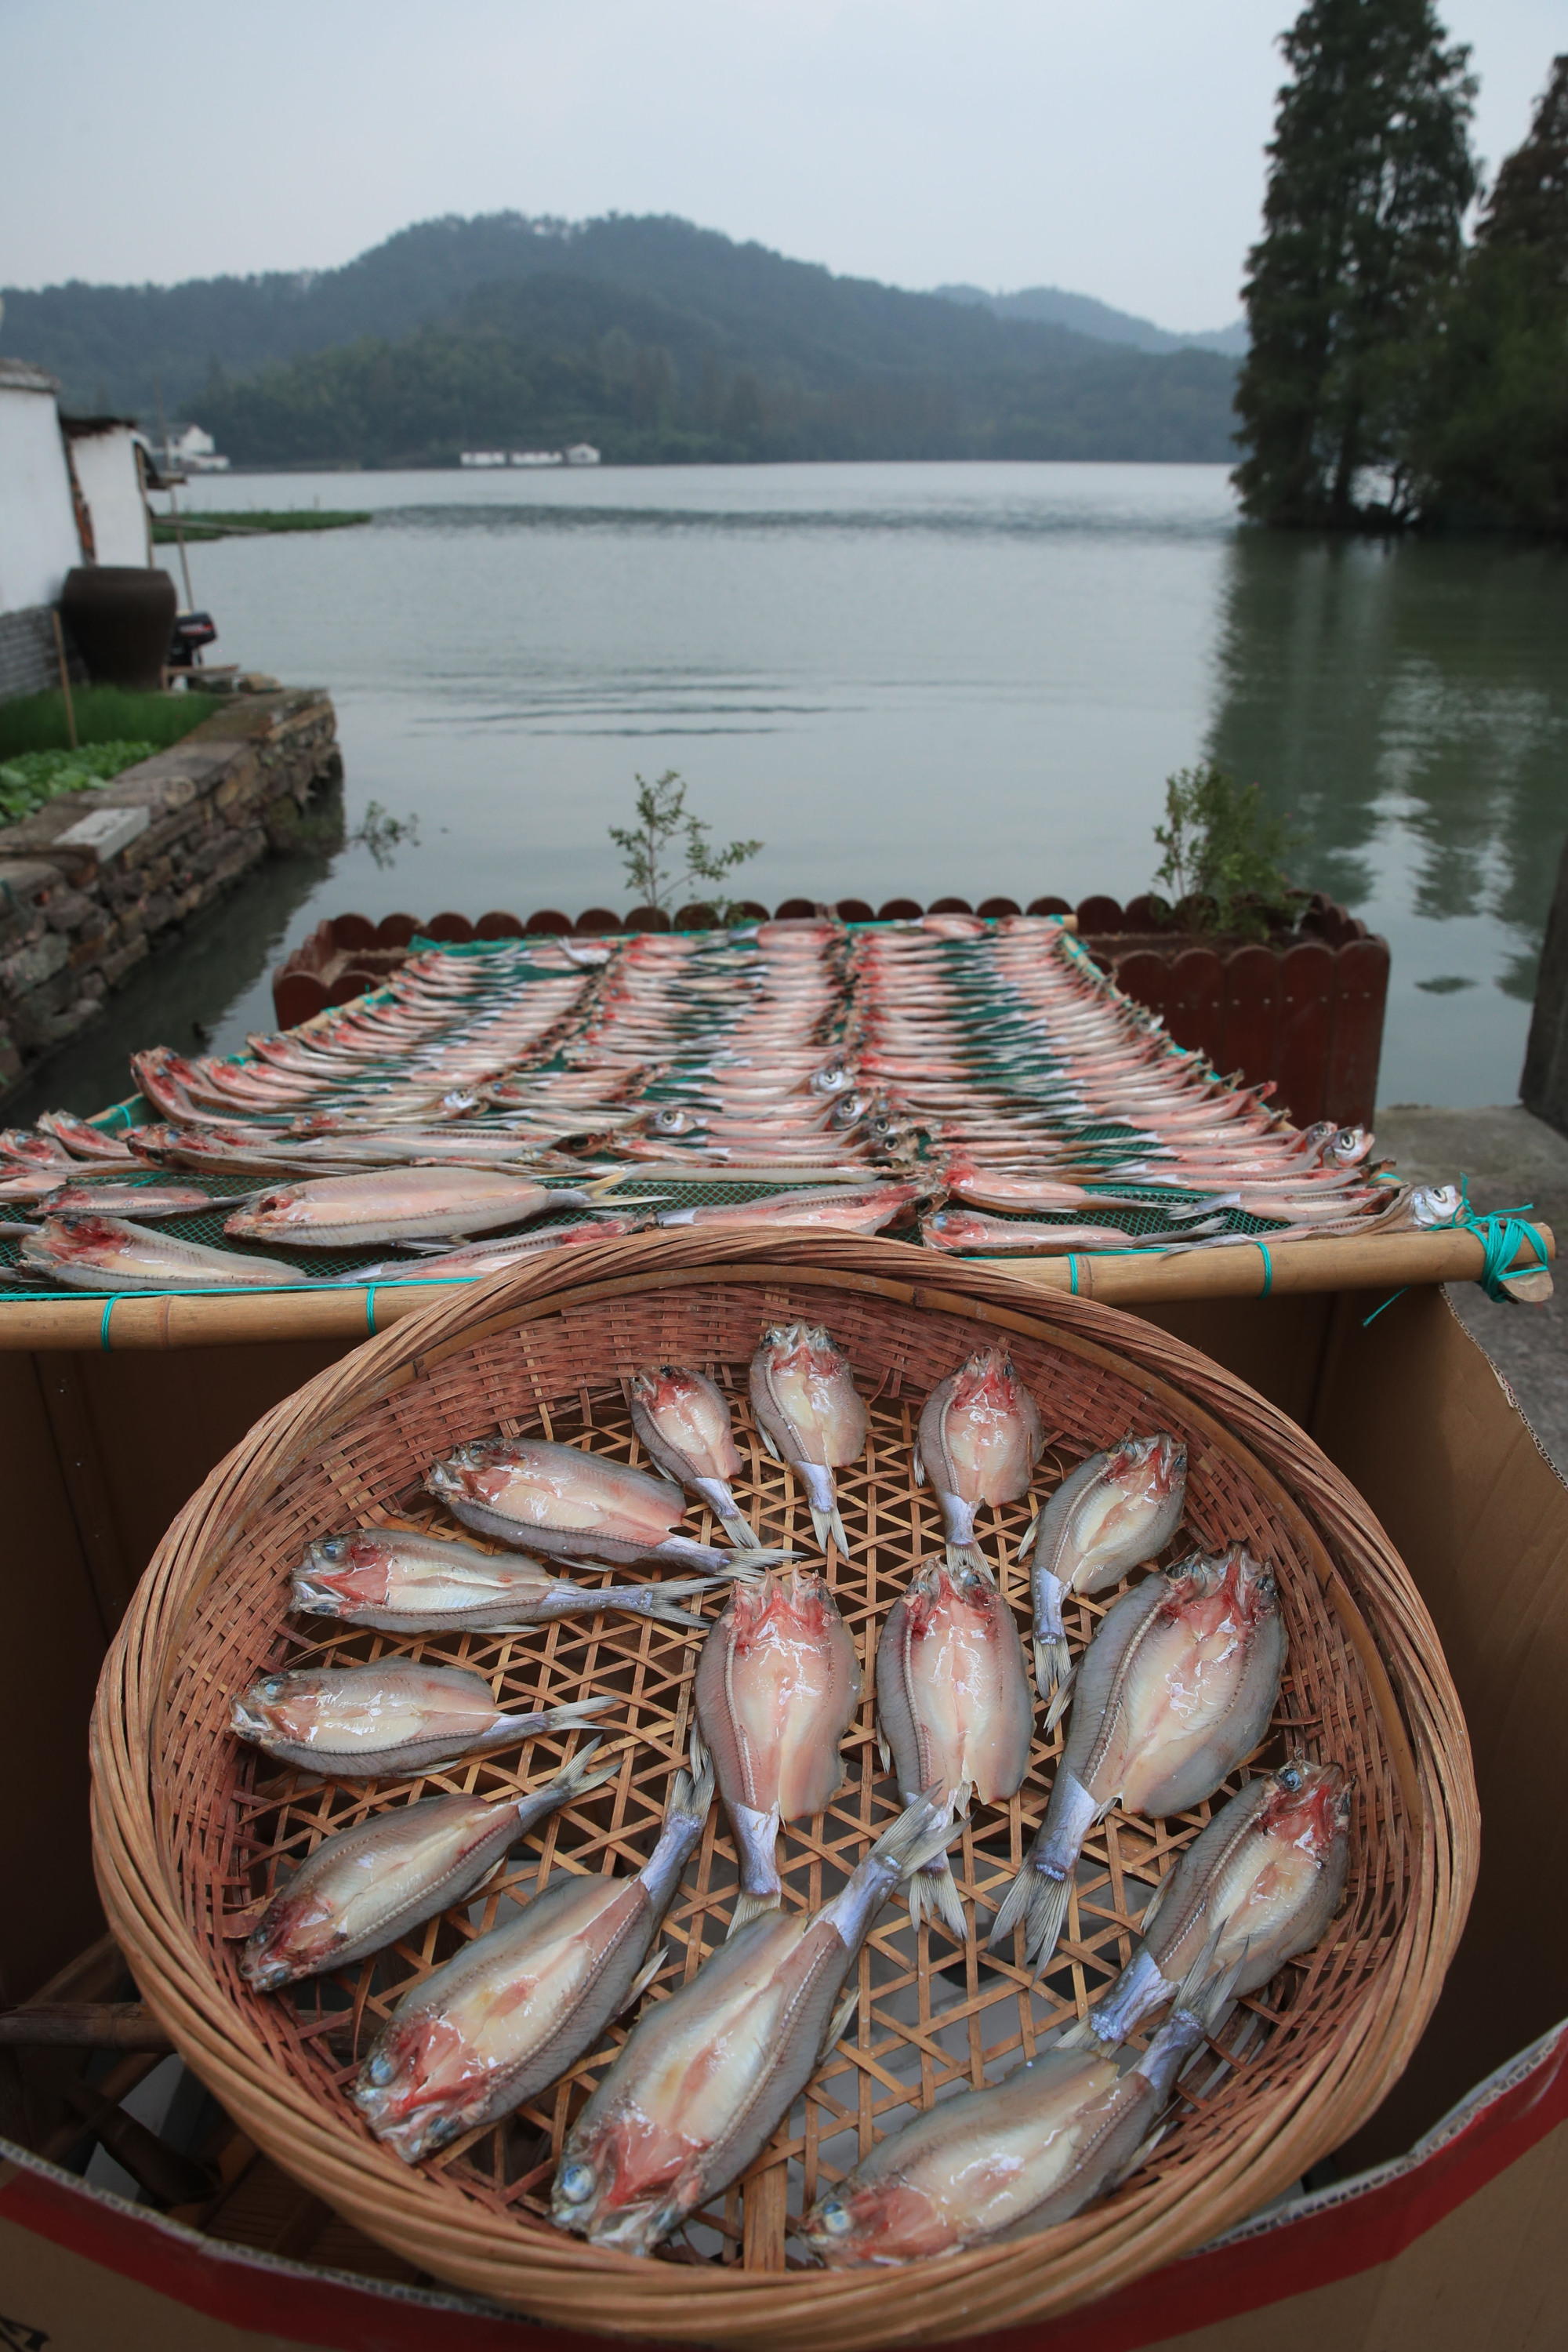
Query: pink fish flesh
pixel 393 1718
pixel 1116 1510
pixel 980 1436
pixel 805 1403
pixel 683 1421
pixel 400 1582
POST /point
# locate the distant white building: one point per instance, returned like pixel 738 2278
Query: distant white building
pixel 537 458
pixel 581 453
pixel 482 458
pixel 189 450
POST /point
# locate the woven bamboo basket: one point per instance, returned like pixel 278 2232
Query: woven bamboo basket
pixel 192 1830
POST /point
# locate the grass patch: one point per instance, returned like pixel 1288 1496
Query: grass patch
pixel 104 714
pixel 255 524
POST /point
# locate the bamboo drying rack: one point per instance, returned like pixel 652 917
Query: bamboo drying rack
pixel 190 1831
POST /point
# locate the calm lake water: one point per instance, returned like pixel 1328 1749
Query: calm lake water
pixel 904 678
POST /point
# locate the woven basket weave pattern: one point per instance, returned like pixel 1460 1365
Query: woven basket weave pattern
pixel 189 1852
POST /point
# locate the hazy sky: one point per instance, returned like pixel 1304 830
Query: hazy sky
pixel 1110 146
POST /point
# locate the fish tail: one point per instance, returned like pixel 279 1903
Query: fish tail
pixel 917 1837
pixel 1068 1675
pixel 752 1907
pixel 575 1780
pixel 1039 1904
pixel 933 1895
pixel 967 1555
pixel 839 1538
pixel 691 1798
pixel 581 1710
pixel 1053 1663
pixel 738 1531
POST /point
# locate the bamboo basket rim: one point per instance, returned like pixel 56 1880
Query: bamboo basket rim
pixel 1362 1581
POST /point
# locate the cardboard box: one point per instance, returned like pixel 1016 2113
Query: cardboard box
pixel 1445 2230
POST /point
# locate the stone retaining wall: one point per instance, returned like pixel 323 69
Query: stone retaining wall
pixel 89 882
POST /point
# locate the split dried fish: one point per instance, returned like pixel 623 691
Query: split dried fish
pixel 109 1253
pixel 979 1439
pixel 393 1719
pixel 1258 1886
pixel 683 1420
pixel 406 1583
pixel 1174 1690
pixel 968 1229
pixel 777 1687
pixel 367 1886
pixel 1116 1510
pixel 706 2075
pixel 107 1197
pixel 952 1706
pixel 395 1204
pixel 805 1403
pixel 573 1505
pixel 512 2014
pixel 1010 2159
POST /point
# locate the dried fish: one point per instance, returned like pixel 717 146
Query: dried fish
pixel 367 1886
pixel 968 1229
pixel 406 1583
pixel 777 1687
pixel 706 2075
pixel 512 2014
pixel 573 1505
pixel 1010 2159
pixel 952 1706
pixel 393 1718
pixel 1174 1690
pixel 805 1403
pixel 1260 1885
pixel 395 1204
pixel 980 1436
pixel 683 1420
pixel 845 1209
pixel 1116 1510
pixel 109 1197
pixel 109 1253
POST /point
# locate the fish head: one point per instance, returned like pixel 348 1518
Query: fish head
pixel 1435 1205
pixel 1228 1584
pixel 958 1228
pixel 879 2220
pixel 275 1707
pixel 355 1568
pixel 1152 1466
pixel 848 1111
pixel 833 1078
pixel 280 1206
pixel 1308 1805
pixel 86 1241
pixel 672 1120
pixel 295 1937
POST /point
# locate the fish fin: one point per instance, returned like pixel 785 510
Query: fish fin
pixel 1027 1545
pixel 933 1895
pixel 583 1710
pixel 838 2023
pixel 839 1538
pixel 922 1832
pixel 738 1531
pixel 1039 1904
pixel 596 1190
pixel 822 1526
pixel 1066 1675
pixel 918 1468
pixel 698 1753
pixel 968 1555
pixel 1078 2036
pixel 883 1752
pixel 769 1556
pixel 752 1907
pixel 1147 1920
pixel 768 1441
pixel 643 1977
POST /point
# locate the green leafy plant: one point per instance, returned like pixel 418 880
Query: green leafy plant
pixel 662 819
pixel 1222 845
pixel 34 777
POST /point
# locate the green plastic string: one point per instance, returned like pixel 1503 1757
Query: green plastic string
pixel 1267 1270
pixel 1501 1234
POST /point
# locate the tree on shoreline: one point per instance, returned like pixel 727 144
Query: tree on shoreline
pixel 1370 175
pixel 1490 446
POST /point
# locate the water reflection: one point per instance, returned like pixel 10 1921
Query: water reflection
pixel 1408 705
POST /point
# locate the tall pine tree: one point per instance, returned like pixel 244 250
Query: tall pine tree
pixel 1370 176
pixel 1490 443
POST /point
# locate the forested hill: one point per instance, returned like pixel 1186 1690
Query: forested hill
pixel 648 337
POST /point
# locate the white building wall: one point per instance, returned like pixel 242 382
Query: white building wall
pixel 106 470
pixel 38 542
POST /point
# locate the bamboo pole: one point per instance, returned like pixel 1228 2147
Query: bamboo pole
pixel 207 1320
pixel 64 674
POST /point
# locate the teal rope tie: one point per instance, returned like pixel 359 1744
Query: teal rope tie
pixel 1501 1234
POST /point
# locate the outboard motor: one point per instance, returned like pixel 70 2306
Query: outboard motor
pixel 192 630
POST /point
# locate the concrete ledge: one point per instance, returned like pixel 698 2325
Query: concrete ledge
pixel 89 883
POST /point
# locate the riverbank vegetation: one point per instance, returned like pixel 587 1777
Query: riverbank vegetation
pixel 1397 374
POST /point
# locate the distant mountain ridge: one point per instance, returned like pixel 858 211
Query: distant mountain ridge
pixel 1052 306
pixel 648 336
